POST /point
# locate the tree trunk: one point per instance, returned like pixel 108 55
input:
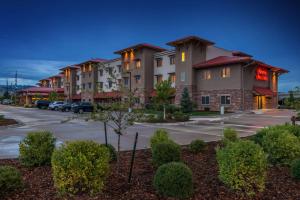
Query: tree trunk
pixel 118 157
pixel 164 112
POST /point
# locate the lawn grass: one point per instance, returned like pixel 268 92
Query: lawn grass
pixel 204 113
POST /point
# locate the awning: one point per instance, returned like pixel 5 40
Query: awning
pixel 263 91
pixel 107 95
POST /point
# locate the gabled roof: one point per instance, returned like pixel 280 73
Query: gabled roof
pixel 70 67
pixel 93 60
pixel 222 60
pixel 188 39
pixel 263 91
pixel 225 60
pixel 57 76
pixel 240 53
pixel 139 46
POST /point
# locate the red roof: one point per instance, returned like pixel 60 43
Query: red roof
pixel 142 45
pixel 42 90
pixel 106 95
pixel 93 60
pixel 190 38
pixel 222 60
pixel 70 67
pixel 273 68
pixel 263 91
pixel 240 53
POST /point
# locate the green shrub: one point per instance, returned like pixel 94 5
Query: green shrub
pixel 1 117
pixel 170 108
pixel 295 169
pixel 197 146
pixel 180 116
pixel 242 166
pixel 160 135
pixel 10 180
pixel 258 137
pixel 174 180
pixel 112 151
pixel 36 148
pixel 230 135
pixel 80 166
pixel 281 147
pixel 165 152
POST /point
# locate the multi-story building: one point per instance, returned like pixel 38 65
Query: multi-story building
pixel 214 76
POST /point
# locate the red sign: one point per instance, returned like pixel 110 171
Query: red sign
pixel 261 74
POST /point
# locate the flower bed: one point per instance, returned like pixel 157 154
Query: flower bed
pixel 39 184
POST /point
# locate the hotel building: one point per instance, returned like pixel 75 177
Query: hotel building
pixel 214 76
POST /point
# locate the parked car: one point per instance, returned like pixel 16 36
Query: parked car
pixel 6 101
pixel 42 104
pixel 83 107
pixel 66 107
pixel 55 105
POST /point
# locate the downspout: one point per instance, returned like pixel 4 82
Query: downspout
pixel 243 82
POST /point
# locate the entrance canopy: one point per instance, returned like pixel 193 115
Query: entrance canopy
pixel 263 91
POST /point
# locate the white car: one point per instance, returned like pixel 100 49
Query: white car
pixel 55 105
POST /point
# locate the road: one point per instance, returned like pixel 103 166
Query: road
pixel 208 129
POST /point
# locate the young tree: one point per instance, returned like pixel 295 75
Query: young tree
pixel 53 96
pixel 164 92
pixel 185 102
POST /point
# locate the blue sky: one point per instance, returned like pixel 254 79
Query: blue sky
pixel 39 37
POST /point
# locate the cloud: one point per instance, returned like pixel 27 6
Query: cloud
pixel 21 81
pixel 29 71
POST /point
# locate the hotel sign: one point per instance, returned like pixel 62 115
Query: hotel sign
pixel 261 73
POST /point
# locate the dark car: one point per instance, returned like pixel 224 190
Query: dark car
pixel 83 107
pixel 66 107
pixel 42 103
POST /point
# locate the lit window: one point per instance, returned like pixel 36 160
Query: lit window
pixel 225 100
pixel 172 60
pixel 138 64
pixel 182 76
pixel 205 100
pixel 206 75
pixel 172 77
pixel 158 62
pixel 183 56
pixel 90 67
pixel 225 73
pixel 127 66
pixel 159 78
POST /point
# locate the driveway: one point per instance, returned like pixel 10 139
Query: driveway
pixel 208 129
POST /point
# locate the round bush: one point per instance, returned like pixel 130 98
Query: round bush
pixel 112 151
pixel 10 180
pixel 165 152
pixel 295 168
pixel 230 135
pixel 36 148
pixel 174 180
pixel 160 135
pixel 281 147
pixel 258 137
pixel 197 146
pixel 242 166
pixel 80 166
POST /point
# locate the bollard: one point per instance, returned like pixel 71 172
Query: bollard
pixel 105 132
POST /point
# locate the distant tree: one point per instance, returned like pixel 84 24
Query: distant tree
pixel 164 92
pixel 53 96
pixel 6 95
pixel 185 102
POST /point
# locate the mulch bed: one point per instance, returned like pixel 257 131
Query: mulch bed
pixel 6 122
pixel 39 183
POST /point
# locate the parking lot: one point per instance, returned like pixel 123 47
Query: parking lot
pixel 208 129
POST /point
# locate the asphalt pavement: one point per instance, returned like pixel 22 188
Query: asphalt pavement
pixel 68 126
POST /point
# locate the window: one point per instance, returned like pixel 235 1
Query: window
pixel 126 80
pixel 138 64
pixel 110 71
pixel 109 84
pixel 90 85
pixel 158 62
pixel 119 68
pixel 77 87
pixel 225 73
pixel 127 66
pixel 172 60
pixel 183 56
pixel 77 77
pixel 159 78
pixel 119 81
pixel 225 100
pixel 173 77
pixel 206 75
pixel 137 79
pixel 90 67
pixel 101 72
pixel 100 85
pixel 182 76
pixel 205 100
pixel 83 86
pixel 90 74
pixel 83 75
